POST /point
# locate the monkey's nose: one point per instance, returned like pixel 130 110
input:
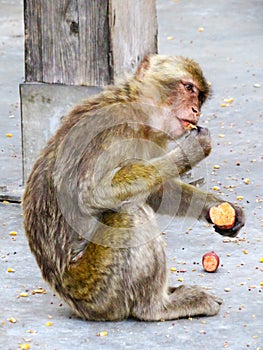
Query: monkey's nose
pixel 195 111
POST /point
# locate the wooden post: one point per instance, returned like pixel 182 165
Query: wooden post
pixel 72 49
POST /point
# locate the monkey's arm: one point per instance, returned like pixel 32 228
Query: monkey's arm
pixel 181 199
pixel 135 181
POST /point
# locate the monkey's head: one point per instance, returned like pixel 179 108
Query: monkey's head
pixel 176 84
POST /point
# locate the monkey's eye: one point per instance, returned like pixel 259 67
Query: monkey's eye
pixel 189 87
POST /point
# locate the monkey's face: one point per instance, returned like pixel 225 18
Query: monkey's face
pixel 179 86
pixel 185 108
pixel 187 104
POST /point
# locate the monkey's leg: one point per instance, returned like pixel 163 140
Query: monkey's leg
pixel 155 301
pixel 107 279
pixel 181 199
pixel 94 284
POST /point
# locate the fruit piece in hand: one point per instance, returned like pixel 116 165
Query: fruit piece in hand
pixel 223 216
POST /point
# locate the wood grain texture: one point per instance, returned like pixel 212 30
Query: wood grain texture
pixel 67 42
pixel 86 42
pixel 133 29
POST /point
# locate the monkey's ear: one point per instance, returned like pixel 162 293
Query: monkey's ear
pixel 143 66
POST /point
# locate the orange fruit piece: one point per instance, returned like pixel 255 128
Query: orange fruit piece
pixel 210 262
pixel 223 215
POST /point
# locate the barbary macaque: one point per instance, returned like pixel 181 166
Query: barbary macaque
pixel 93 197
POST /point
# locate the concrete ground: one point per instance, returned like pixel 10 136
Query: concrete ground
pixel 226 38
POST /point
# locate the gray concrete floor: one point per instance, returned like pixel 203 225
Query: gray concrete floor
pixel 230 51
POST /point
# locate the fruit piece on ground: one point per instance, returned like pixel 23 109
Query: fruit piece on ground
pixel 223 215
pixel 210 261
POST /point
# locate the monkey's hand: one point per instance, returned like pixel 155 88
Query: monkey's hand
pixel 204 139
pixel 239 222
pixel 198 140
pixel 190 149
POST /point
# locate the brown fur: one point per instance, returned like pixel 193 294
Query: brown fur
pixel 90 199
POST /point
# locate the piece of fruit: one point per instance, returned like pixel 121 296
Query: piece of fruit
pixel 188 125
pixel 223 216
pixel 210 261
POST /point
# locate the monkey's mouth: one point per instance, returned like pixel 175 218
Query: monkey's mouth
pixel 188 125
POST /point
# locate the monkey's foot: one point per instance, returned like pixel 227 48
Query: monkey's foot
pixel 183 302
pixel 189 301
